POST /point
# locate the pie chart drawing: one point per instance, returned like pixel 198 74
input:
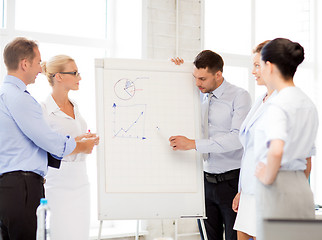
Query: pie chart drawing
pixel 124 89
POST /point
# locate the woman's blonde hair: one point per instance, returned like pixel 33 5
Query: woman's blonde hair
pixel 55 65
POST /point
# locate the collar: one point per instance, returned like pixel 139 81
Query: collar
pixel 220 90
pixel 52 107
pixel 15 81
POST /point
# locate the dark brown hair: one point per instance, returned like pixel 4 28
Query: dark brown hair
pixel 209 59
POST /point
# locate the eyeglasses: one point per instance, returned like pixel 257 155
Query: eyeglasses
pixel 76 73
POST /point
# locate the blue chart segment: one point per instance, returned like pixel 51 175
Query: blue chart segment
pixel 129 121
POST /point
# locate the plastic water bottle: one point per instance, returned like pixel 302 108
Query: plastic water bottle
pixel 43 220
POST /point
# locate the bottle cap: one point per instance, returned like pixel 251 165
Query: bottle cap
pixel 43 201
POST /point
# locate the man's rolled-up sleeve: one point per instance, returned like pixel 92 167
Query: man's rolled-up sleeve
pixel 28 115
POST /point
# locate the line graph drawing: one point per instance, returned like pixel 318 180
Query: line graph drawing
pixel 129 121
pixel 125 88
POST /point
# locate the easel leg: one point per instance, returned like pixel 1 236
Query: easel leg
pixel 100 230
pixel 137 229
pixel 176 229
pixel 203 229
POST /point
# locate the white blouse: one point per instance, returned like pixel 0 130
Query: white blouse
pixel 292 117
pixel 67 188
pixel 73 171
pixel 64 124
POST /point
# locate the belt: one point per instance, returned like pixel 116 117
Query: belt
pixel 216 178
pixel 24 173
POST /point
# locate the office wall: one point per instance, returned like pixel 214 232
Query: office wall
pixel 316 177
pixel 173 28
pixel 172 31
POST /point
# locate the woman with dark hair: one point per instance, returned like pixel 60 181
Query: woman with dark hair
pixel 284 139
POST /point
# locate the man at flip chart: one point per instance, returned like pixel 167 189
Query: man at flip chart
pixel 224 108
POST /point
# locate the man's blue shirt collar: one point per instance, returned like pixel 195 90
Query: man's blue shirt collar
pixel 15 81
pixel 220 90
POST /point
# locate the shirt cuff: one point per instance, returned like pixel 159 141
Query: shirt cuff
pixel 202 145
pixel 312 152
pixel 70 145
pixel 56 157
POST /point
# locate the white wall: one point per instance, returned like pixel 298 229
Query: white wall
pixel 316 177
pixel 172 29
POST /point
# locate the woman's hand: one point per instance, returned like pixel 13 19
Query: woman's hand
pixel 88 135
pixel 235 204
pixel 260 172
pixel 85 143
pixel 267 173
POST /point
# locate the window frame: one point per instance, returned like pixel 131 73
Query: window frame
pixel 110 228
pixel 312 65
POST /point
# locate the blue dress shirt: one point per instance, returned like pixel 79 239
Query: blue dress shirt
pixel 25 137
pixel 227 110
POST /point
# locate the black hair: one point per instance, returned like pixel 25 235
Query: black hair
pixel 209 59
pixel 285 54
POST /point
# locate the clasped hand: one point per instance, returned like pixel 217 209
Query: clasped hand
pixel 88 141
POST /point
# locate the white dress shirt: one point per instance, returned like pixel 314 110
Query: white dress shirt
pixel 227 110
pixel 247 179
pixel 67 188
pixel 292 117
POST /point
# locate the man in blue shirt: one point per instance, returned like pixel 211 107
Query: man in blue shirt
pixel 25 140
pixel 224 108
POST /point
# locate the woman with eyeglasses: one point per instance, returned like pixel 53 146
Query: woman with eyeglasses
pixel 67 189
pixel 284 139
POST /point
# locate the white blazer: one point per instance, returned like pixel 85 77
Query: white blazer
pixel 247 177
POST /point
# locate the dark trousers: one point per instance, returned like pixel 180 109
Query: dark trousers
pixel 220 216
pixel 20 194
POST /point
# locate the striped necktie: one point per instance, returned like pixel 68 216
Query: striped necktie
pixel 206 123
